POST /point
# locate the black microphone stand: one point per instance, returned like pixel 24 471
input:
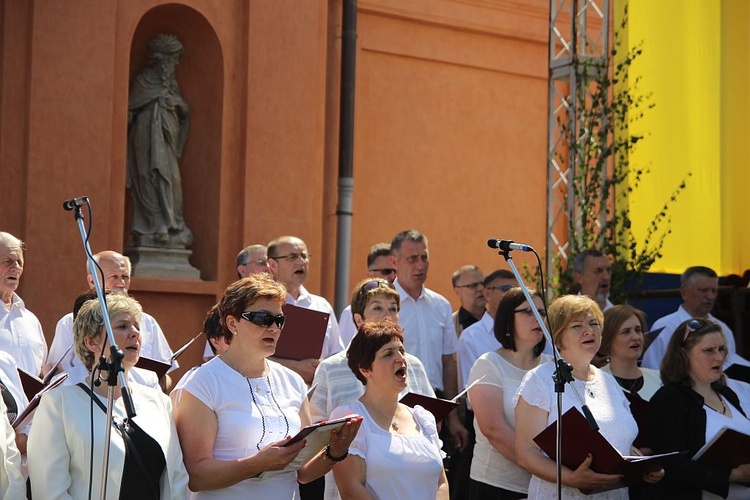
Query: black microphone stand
pixel 114 367
pixel 563 371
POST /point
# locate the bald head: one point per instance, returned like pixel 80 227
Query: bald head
pixel 288 261
pixel 116 268
pixel 11 264
pixel 9 241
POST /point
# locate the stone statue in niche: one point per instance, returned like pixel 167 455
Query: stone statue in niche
pixel 157 131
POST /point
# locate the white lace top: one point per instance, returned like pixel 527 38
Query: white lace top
pixel 607 403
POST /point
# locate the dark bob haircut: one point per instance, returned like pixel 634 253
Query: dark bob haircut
pixel 366 343
pixel 505 319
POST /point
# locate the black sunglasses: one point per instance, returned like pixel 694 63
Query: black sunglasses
pixel 263 318
pixel 375 283
pixel 693 325
pixel 387 271
pixel 502 288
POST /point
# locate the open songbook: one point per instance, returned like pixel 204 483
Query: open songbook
pixel 162 367
pixel 437 406
pixel 728 448
pixel 317 436
pixel 27 414
pixel 579 439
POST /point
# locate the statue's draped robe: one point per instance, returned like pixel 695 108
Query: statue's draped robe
pixel 156 137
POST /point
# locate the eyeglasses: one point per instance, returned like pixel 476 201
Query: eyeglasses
pixel 291 257
pixel 502 288
pixel 262 262
pixel 263 318
pixel 529 311
pixel 473 286
pixel 386 271
pixel 693 325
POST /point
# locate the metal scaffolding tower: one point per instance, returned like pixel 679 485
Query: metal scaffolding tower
pixel 579 44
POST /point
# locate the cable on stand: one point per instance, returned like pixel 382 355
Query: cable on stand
pixel 563 371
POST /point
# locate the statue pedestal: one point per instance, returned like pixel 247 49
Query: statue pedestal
pixel 153 262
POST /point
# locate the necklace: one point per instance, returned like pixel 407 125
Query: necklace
pixel 631 385
pixel 723 406
pixel 260 410
pixel 255 401
pixel 393 424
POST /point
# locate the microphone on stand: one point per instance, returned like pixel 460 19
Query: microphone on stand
pixel 508 245
pixel 75 203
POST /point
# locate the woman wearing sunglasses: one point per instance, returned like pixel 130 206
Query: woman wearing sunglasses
pixel 494 471
pixel 240 408
pixel 576 326
pixel 690 409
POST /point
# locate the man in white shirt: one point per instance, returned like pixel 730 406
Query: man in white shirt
pixel 427 320
pixel 479 338
pixel 251 260
pixel 699 287
pixel 378 266
pixel 468 285
pixel 288 260
pixel 21 333
pixel 154 345
pixel 592 272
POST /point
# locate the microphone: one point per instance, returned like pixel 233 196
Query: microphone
pixel 508 245
pixel 75 203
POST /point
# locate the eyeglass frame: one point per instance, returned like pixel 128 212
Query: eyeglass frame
pixel 529 311
pixel 502 288
pixel 253 317
pixel 255 261
pixel 473 286
pixel 291 257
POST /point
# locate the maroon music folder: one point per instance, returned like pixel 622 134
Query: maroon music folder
pixel 303 334
pixel 437 406
pixel 579 439
pixel 728 448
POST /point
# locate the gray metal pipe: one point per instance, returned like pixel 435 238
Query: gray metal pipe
pixel 344 209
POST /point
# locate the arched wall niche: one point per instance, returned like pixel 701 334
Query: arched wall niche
pixel 200 76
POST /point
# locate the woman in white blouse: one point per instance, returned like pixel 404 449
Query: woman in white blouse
pixel 494 471
pixel 145 459
pixel 396 454
pixel 238 411
pixel 576 328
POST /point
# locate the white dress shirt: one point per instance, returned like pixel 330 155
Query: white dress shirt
pixel 429 333
pixel 21 336
pixel 655 352
pixel 347 328
pixel 475 340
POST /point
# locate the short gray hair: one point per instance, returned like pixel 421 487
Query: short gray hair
pixel 580 259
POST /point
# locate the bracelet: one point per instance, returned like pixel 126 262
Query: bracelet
pixel 335 459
